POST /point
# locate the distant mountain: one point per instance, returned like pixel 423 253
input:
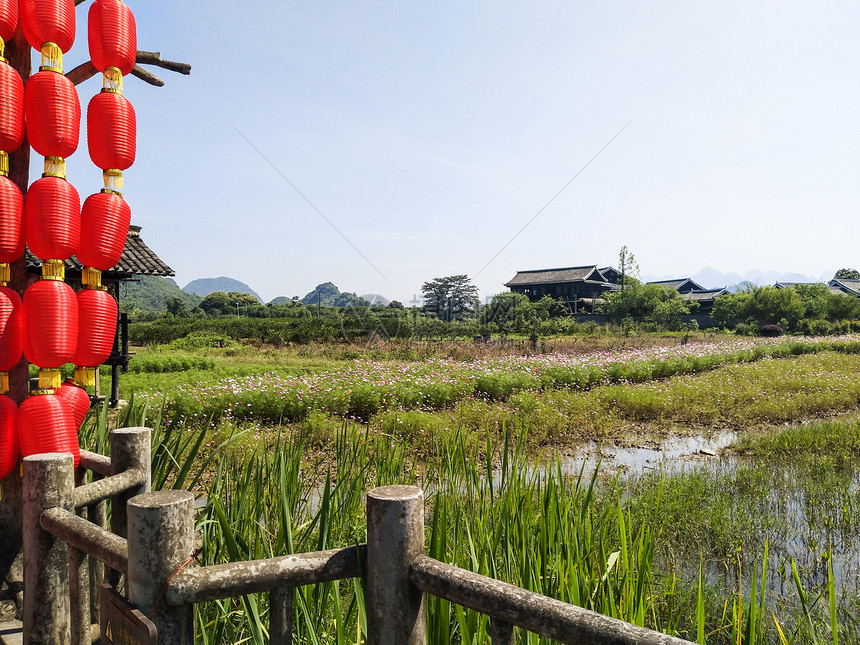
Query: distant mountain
pixel 204 286
pixel 375 299
pixel 150 293
pixel 327 293
pixel 280 300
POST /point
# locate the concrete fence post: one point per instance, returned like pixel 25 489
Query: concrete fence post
pixel 501 633
pixel 281 616
pixel 49 481
pixel 395 537
pixel 79 583
pixel 160 542
pixel 129 449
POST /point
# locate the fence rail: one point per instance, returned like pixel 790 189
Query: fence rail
pixel 62 547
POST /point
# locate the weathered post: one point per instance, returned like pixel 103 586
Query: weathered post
pixel 501 633
pixel 281 616
pixel 160 542
pixel 49 481
pixel 129 449
pixel 395 537
pixel 79 583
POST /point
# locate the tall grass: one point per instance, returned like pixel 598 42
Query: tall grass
pixel 593 540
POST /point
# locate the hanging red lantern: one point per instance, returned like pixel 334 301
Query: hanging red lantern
pixel 8 20
pixel 112 36
pixel 46 21
pixel 47 425
pixel 97 314
pixel 111 131
pixel 53 114
pixel 105 218
pixel 77 399
pixel 10 436
pixel 50 318
pixel 52 218
pixel 11 334
pixel 11 215
pixel 11 108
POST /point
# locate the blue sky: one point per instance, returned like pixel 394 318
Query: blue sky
pixel 429 134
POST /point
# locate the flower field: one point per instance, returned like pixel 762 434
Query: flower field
pixel 366 388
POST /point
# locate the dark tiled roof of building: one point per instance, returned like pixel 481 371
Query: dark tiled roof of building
pixel 704 294
pixel 553 276
pixel 678 284
pixel 792 285
pixel 848 286
pixel 137 259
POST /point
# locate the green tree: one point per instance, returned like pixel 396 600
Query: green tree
pixel 760 306
pixel 847 274
pixel 841 306
pixel 628 266
pixel 650 302
pixel 507 311
pixel 178 308
pixel 450 298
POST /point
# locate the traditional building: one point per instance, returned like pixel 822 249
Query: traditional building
pixel 579 288
pixel 681 285
pixel 705 298
pixel 851 287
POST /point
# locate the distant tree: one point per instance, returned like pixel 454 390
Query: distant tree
pixel 761 306
pixel 450 298
pixel 847 274
pixel 506 310
pixel 178 308
pixel 395 304
pixel 216 303
pixel 627 266
pixel 651 302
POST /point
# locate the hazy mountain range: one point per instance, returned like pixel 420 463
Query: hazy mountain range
pixel 711 278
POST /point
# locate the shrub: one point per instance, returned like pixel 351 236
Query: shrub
pixel 771 331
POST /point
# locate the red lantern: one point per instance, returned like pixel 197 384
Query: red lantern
pixel 97 312
pixel 49 21
pixel 112 36
pixel 50 323
pixel 11 214
pixel 47 425
pixel 52 218
pixel 8 22
pixel 53 114
pixel 11 108
pixel 111 131
pixel 10 436
pixel 105 218
pixel 11 333
pixel 77 399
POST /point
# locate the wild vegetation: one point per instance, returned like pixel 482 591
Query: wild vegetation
pixel 714 555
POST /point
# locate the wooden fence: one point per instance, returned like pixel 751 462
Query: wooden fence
pixel 66 547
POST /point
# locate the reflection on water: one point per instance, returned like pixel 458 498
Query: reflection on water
pixel 803 510
pixel 671 454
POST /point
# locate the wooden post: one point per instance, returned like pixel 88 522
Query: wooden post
pixel 395 537
pixel 49 481
pixel 160 543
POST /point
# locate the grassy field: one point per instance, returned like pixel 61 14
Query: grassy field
pixel 761 545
